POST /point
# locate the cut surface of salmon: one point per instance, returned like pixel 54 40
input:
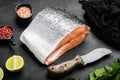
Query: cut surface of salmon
pixel 52 33
pixel 76 32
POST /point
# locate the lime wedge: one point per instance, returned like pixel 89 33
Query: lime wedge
pixel 1 74
pixel 14 63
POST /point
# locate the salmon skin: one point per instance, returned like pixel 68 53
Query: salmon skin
pixel 52 33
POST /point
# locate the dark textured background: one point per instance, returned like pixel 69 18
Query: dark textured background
pixel 33 69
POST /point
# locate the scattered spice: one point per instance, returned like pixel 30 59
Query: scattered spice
pixel 5 32
pixel 24 12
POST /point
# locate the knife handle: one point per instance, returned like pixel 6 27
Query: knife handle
pixel 65 67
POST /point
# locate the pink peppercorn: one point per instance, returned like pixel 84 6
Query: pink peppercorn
pixel 5 32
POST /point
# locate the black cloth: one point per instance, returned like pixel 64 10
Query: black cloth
pixel 103 16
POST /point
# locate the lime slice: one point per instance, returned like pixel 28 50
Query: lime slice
pixel 14 63
pixel 1 74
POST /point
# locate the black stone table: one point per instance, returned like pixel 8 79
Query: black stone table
pixel 33 69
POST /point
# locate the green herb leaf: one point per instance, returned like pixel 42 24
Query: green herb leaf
pixel 73 78
pixel 92 76
pixel 115 67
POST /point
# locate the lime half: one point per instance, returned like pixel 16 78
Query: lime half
pixel 1 74
pixel 14 63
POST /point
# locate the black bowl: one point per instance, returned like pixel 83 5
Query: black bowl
pixel 18 6
pixel 10 37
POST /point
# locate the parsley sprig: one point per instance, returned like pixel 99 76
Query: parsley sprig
pixel 107 73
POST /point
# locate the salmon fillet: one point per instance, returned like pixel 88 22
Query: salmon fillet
pixel 52 33
pixel 66 47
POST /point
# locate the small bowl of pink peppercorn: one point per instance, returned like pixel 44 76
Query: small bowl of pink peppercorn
pixel 24 11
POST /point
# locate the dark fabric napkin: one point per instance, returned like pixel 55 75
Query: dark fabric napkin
pixel 103 16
